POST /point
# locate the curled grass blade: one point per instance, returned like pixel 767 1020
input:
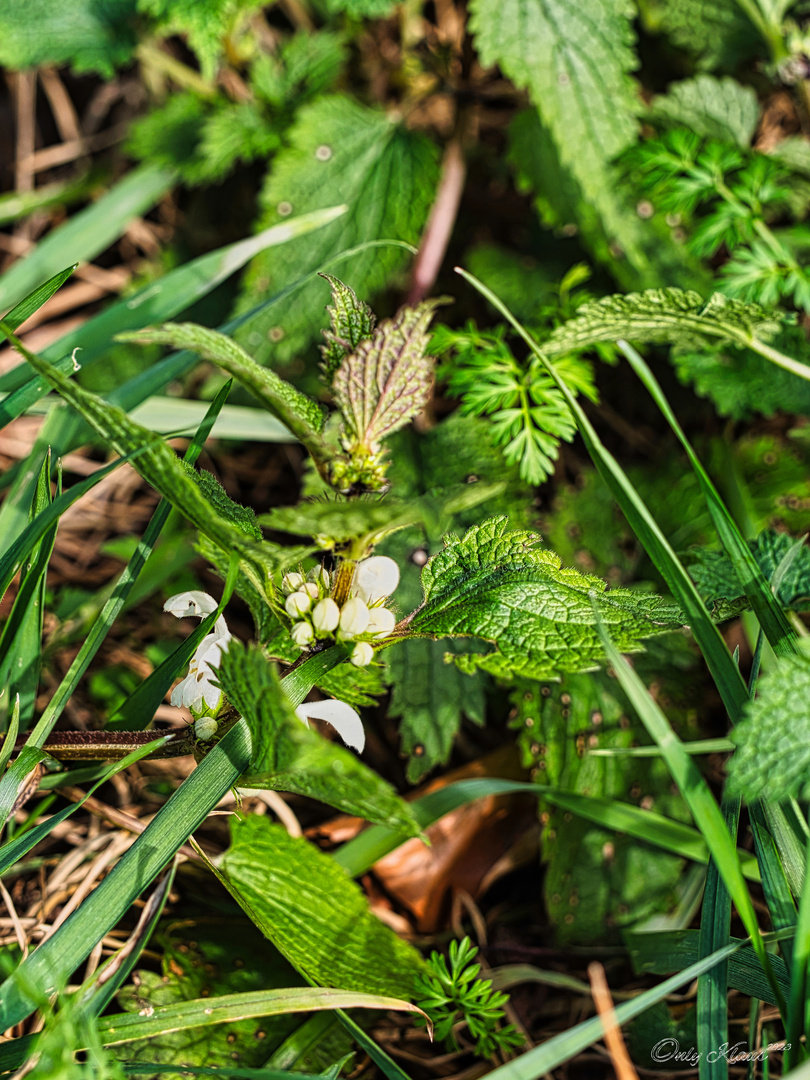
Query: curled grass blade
pixel 33 302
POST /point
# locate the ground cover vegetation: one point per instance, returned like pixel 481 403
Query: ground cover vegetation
pixel 405 488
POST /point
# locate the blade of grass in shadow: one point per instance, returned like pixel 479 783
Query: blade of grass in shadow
pixel 797 1018
pixel 87 233
pixel 56 959
pixel 760 594
pixel 696 793
pixel 359 855
pixel 15 849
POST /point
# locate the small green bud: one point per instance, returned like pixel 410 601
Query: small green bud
pixel 205 728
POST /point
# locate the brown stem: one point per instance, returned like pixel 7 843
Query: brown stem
pixel 440 224
pixel 110 745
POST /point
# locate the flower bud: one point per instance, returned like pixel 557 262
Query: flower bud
pixel 381 622
pixel 362 654
pixel 375 578
pixel 325 616
pixel 205 728
pixel 319 577
pixel 291 582
pixel 311 589
pixel 302 634
pixel 297 604
pixel 354 616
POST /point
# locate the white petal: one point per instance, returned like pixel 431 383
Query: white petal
pixel 381 622
pixel 210 694
pixel 193 602
pixel 342 717
pixel 354 616
pixel 375 578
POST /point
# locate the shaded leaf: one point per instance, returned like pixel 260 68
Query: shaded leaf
pixel 307 905
pixel 352 321
pixel 716 108
pixel 715 577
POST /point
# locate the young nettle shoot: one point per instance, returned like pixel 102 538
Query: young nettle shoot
pixel 314 605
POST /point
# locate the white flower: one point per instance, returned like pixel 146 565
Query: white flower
pixel 326 616
pixel 302 634
pixel 197 687
pixel 319 577
pixel 381 622
pixel 291 582
pixel 362 654
pixel 354 617
pixel 375 578
pixel 341 716
pixel 297 604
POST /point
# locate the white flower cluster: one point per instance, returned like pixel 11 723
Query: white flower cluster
pixel 316 615
pixel 196 691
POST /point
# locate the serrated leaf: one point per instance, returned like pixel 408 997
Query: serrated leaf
pixel 715 577
pixel 576 67
pixel 772 759
pixel 242 517
pixel 339 151
pixel 387 379
pixel 352 321
pixel 306 904
pixel 363 9
pixel 661 315
pixel 718 33
pixel 716 108
pixel 596 880
pixel 205 23
pixel 90 35
pixel 498 586
pixel 287 756
pixel 741 383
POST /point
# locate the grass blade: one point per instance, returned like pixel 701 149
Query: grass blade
pixel 51 965
pixel 33 302
pixel 87 233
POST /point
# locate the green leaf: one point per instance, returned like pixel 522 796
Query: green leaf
pixel 772 759
pixel 363 9
pixel 90 35
pixel 205 23
pixel 387 379
pixel 498 586
pixel 714 574
pixel 306 904
pixel 352 321
pixel 287 756
pixel 717 33
pixel 53 962
pixel 339 150
pixel 716 108
pixel 241 517
pixel 596 880
pixel 661 315
pixel 34 301
pixel 740 383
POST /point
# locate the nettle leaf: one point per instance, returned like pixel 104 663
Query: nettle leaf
pixel 90 35
pixel 498 586
pixel 715 108
pixel 339 152
pixel 363 9
pixel 387 380
pixel 316 916
pixel 718 33
pixel 429 698
pixel 741 383
pixel 714 574
pixel 772 760
pixel 661 315
pixel 352 321
pixel 206 24
pixel 242 517
pixel 596 881
pixel 287 756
